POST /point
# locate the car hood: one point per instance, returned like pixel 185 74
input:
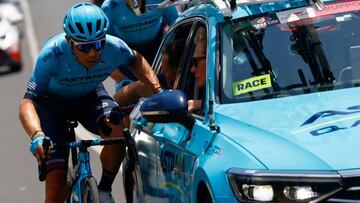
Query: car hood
pixel 319 131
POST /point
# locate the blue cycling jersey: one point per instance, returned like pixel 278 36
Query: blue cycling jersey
pixel 58 73
pixel 137 30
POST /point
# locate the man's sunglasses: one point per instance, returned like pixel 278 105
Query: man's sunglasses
pixel 86 46
pixel 196 60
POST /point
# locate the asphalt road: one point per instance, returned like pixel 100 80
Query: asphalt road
pixel 18 168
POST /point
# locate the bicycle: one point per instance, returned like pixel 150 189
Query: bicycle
pixel 81 182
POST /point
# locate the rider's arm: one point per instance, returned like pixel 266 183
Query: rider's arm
pixel 35 91
pixel 29 118
pixel 117 75
pixel 145 73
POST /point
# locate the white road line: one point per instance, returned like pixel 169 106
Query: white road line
pixel 29 31
pixel 81 132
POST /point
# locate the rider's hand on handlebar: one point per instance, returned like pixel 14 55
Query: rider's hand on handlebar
pixel 36 148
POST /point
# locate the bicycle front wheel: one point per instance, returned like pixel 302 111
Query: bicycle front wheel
pixel 90 193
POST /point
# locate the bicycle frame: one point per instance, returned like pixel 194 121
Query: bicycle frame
pixel 81 171
pixel 81 182
pixel 81 168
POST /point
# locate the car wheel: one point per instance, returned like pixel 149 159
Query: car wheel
pixel 203 195
pixel 16 67
pixel 207 198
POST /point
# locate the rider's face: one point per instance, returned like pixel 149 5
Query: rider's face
pixel 199 65
pixel 88 58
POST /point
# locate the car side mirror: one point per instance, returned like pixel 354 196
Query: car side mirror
pixel 169 106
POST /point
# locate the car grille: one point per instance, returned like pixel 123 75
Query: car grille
pixel 351 191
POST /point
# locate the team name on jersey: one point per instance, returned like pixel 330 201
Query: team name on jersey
pixel 84 78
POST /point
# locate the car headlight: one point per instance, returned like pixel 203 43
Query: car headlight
pixel 283 186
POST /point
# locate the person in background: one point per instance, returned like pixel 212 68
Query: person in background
pixel 199 67
pixel 66 84
pixel 141 30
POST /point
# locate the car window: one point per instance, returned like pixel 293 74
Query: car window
pixel 312 55
pixel 167 67
pixel 190 74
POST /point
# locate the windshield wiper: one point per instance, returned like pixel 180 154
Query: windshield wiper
pixel 254 40
pixel 308 45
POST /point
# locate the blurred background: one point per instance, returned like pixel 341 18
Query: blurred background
pixel 18 168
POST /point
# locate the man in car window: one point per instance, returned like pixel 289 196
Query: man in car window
pixel 199 67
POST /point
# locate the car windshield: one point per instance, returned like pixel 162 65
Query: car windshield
pixel 291 52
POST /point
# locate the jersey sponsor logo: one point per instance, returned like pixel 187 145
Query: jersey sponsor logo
pixel 138 26
pixel 84 78
pixel 251 84
pixel 31 85
pixel 47 57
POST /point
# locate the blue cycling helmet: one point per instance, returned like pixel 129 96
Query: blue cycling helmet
pixel 85 22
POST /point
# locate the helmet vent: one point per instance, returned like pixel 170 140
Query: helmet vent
pixel 80 37
pixel 79 27
pixel 98 23
pixel 100 34
pixel 105 24
pixel 71 29
pixel 89 27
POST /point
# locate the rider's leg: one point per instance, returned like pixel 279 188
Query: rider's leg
pixel 102 116
pixel 55 186
pixel 53 114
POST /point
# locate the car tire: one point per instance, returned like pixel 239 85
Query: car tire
pixel 207 198
pixel 16 67
pixel 203 195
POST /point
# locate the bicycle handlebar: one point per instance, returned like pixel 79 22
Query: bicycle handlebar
pixel 82 144
pixel 46 145
pixel 95 142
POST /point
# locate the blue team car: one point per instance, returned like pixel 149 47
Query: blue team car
pixel 280 111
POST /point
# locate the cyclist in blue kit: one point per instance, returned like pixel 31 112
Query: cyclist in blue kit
pixel 143 32
pixel 66 84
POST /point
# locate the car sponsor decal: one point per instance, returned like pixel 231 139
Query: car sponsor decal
pixel 310 12
pixel 339 8
pixel 215 151
pixel 173 185
pixel 325 127
pixel 296 14
pixel 251 84
pixel 264 21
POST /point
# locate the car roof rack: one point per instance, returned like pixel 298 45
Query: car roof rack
pixel 228 7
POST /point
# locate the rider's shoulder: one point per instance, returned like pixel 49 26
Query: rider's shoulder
pixel 111 4
pixel 115 42
pixel 53 48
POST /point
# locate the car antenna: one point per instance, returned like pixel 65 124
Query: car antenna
pixel 318 3
pixel 211 110
pixel 142 6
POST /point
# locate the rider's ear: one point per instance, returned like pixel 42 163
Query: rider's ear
pixel 68 39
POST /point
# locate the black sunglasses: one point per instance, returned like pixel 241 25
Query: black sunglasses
pixel 86 46
pixel 196 60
